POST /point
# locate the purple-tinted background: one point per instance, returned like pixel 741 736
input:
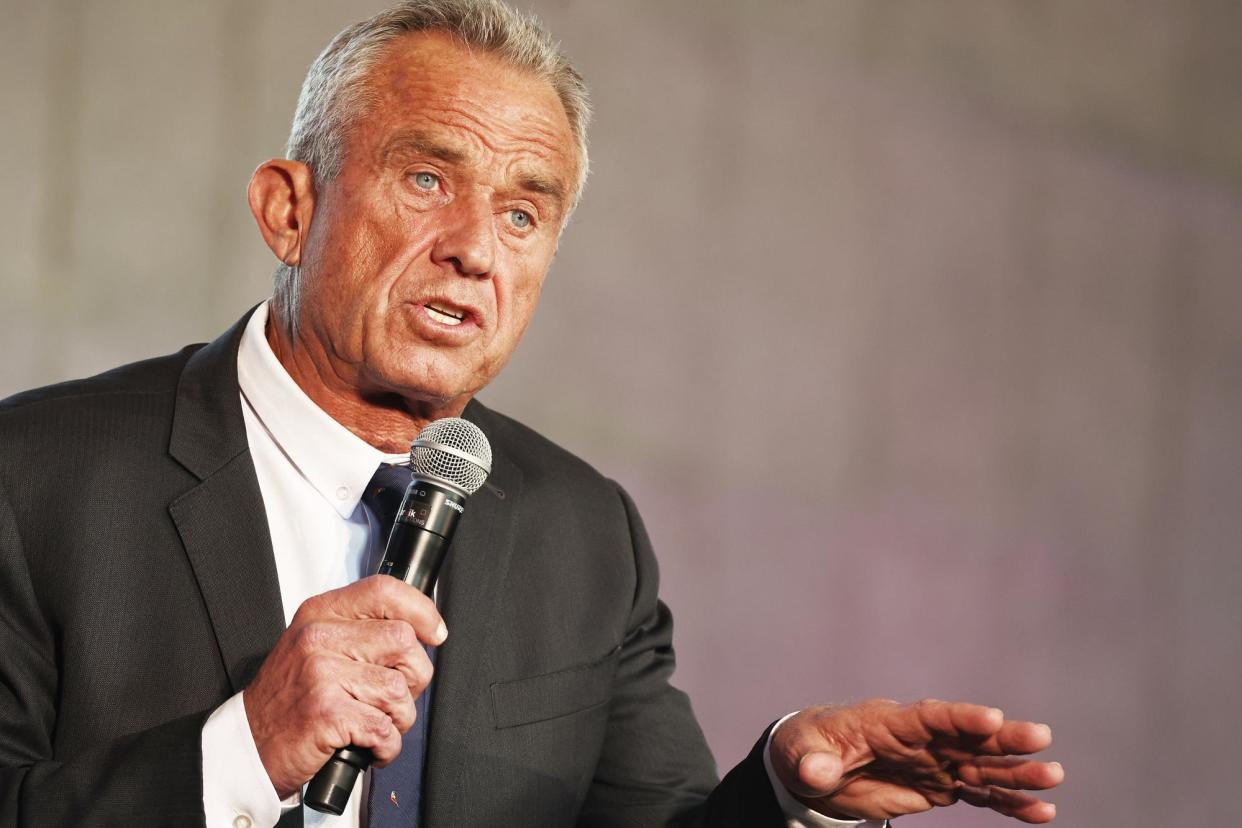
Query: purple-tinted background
pixel 913 327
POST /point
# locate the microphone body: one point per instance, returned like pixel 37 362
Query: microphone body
pixel 422 533
pixel 416 548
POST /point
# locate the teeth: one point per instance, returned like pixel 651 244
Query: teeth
pixel 444 315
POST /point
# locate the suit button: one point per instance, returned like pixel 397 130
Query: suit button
pixel 242 821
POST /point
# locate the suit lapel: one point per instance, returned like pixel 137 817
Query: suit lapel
pixel 221 520
pixel 475 571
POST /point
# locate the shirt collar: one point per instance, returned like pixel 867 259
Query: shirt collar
pixel 334 460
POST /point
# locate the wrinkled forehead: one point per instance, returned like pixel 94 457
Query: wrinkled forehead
pixel 430 82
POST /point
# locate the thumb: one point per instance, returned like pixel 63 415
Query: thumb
pixel 819 774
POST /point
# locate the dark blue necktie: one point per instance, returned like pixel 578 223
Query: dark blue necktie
pixel 396 790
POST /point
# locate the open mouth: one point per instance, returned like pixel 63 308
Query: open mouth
pixel 445 314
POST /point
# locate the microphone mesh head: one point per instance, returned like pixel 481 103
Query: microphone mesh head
pixel 452 450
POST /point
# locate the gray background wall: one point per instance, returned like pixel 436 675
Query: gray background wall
pixel 912 326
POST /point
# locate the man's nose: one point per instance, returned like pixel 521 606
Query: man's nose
pixel 467 239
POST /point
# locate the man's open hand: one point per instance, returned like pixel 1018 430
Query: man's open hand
pixel 881 759
pixel 346 672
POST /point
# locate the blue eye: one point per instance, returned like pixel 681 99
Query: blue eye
pixel 520 218
pixel 426 180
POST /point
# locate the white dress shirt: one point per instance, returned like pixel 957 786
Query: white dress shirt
pixel 312 472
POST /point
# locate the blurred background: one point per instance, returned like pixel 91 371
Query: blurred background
pixel 913 327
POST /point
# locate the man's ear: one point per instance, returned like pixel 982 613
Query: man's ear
pixel 282 199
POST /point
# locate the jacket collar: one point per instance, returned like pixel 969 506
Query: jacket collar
pixel 208 430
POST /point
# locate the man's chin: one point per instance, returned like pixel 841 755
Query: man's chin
pixel 422 394
pixel 428 378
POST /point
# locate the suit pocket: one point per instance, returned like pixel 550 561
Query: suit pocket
pixel 552 695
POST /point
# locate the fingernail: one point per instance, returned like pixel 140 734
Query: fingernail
pixel 441 633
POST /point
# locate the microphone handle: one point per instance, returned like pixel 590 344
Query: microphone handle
pixel 414 554
pixel 423 553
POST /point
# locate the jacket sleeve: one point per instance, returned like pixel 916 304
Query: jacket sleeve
pixel 655 768
pixel 153 777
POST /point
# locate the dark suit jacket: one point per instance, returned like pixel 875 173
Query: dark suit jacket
pixel 138 591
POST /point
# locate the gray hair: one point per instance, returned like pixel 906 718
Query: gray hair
pixel 336 92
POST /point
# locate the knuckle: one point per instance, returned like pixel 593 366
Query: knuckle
pixel 402 716
pixel 394 686
pixel 320 669
pixel 369 588
pixel 409 714
pixel 377 724
pixel 387 746
pixel 423 670
pixel 310 637
pixel 384 587
pixel 402 635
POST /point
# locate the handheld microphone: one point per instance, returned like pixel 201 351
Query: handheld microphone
pixel 450 458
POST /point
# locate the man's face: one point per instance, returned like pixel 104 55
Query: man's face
pixel 426 254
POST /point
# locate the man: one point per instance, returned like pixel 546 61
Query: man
pixel 181 541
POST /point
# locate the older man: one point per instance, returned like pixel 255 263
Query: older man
pixel 187 633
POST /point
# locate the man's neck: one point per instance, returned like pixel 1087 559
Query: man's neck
pixel 386 421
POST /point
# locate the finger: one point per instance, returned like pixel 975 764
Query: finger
pixel 1011 772
pixel 1012 738
pixel 379 596
pixel 380 688
pixel 364 726
pixel 932 717
pixel 387 643
pixel 1009 803
pixel 1023 737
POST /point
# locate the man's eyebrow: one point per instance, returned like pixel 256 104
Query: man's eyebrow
pixel 421 144
pixel 551 187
